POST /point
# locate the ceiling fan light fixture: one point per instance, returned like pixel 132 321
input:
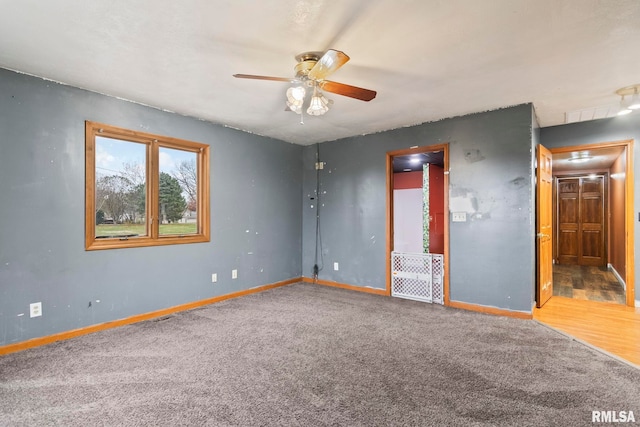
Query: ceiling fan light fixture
pixel 295 98
pixel 312 70
pixel 326 101
pixel 296 94
pixel 317 107
pixel 296 108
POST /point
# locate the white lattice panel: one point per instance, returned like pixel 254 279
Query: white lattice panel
pixel 417 276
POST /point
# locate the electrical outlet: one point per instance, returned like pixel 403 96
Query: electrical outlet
pixel 35 309
pixel 214 278
pixel 459 217
pixel 336 267
pixel 234 274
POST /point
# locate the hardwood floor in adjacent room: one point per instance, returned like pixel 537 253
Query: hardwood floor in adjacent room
pixel 589 304
pixel 614 328
pixel 587 283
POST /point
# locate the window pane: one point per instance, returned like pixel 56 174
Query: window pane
pixel 143 189
pixel 178 192
pixel 120 188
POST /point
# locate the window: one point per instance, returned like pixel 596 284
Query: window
pixel 143 189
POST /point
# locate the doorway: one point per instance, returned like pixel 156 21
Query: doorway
pixel 417 205
pixel 581 211
pixel 593 222
pixel 611 327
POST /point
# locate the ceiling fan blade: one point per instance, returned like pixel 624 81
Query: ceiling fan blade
pixel 330 62
pixel 277 79
pixel 348 90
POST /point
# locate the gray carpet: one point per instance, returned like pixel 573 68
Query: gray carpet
pixel 311 355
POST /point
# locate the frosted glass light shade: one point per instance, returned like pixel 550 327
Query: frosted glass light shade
pixel 318 106
pixel 295 94
pixel 295 107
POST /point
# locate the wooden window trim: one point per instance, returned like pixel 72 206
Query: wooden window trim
pixel 153 144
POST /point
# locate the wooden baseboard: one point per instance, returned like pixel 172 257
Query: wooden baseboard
pixel 455 304
pixel 36 342
pixel 491 310
pixel 617 276
pixel 374 291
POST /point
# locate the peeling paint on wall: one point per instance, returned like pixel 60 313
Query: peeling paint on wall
pixel 473 155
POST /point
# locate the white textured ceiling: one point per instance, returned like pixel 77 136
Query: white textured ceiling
pixel 427 59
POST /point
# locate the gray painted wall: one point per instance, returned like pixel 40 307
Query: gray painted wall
pixel 256 217
pixel 259 224
pixel 491 167
pixel 605 130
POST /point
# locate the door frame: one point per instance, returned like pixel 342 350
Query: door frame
pixel 389 227
pixel 629 207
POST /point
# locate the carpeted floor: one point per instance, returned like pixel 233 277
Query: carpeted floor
pixel 311 355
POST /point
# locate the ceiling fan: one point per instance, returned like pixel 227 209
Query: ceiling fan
pixel 312 70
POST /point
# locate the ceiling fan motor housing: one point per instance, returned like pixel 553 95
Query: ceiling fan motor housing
pixel 306 61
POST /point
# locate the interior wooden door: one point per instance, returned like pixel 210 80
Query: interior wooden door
pixel 544 225
pixel 581 214
pixel 568 220
pixel 592 221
